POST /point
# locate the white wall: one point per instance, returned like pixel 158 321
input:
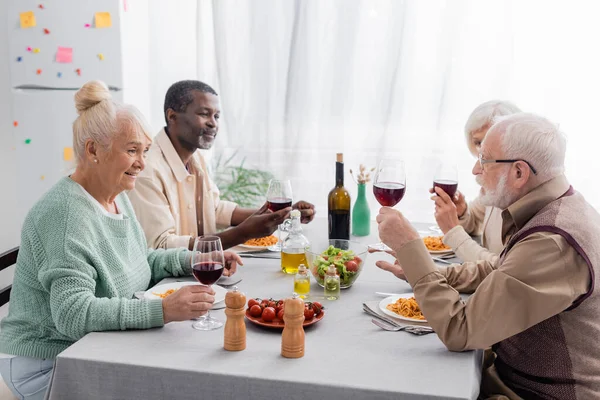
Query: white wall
pixel 9 236
pixel 172 51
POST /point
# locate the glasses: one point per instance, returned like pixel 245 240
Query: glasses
pixel 482 162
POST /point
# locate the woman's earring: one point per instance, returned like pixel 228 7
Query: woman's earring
pixel 96 160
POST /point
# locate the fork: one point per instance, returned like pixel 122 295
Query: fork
pixel 417 330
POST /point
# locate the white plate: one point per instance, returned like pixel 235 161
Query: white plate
pixel 245 246
pixel 149 294
pixel 392 299
pixel 440 252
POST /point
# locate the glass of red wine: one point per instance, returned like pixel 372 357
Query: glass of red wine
pixel 208 262
pixel 279 196
pixel 389 186
pixel 446 178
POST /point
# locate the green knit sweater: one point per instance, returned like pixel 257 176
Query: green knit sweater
pixel 77 272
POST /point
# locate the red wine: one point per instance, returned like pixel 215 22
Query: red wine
pixel 339 224
pixel 207 272
pixel 388 194
pixel 449 187
pixel 279 203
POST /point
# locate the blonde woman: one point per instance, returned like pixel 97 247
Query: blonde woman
pixel 83 254
pixel 456 219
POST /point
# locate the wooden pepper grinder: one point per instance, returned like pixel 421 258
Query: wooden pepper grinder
pixel 235 327
pixel 292 339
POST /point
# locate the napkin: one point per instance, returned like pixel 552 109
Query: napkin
pixel 226 281
pixel 372 308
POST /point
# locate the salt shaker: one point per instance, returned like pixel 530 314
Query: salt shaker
pixel 235 327
pixel 292 339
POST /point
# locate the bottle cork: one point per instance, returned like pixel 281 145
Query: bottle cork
pixel 292 338
pixel 235 326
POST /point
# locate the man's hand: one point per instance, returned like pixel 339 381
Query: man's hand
pixel 395 230
pixel 231 262
pixel 445 210
pixel 188 302
pixel 394 268
pixel 307 211
pixel 263 222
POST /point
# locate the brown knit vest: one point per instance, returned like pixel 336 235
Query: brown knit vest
pixel 559 358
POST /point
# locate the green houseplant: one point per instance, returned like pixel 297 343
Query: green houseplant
pixel 245 186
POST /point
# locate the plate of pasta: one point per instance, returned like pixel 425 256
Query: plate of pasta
pixel 402 306
pixel 259 243
pixel 435 245
pixel 167 289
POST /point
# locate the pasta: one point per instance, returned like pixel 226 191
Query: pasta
pixel 434 243
pixel 165 294
pixel 263 241
pixel 407 308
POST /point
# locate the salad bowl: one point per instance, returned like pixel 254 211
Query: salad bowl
pixel 347 256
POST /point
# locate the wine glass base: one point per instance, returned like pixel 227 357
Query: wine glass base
pixel 380 247
pixel 275 247
pixel 207 324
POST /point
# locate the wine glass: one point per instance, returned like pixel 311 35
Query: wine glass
pixel 208 262
pixel 389 185
pixel 446 178
pixel 279 196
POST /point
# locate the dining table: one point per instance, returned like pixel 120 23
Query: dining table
pixel 346 355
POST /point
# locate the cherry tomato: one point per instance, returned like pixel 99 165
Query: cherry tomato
pixel 268 314
pixel 252 302
pixel 316 308
pixel 308 314
pixel 280 314
pixel 316 303
pixel 351 266
pixel 256 311
pixel 278 308
pixel 272 304
pixel 264 303
pixel 357 260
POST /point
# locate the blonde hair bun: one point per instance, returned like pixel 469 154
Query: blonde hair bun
pixel 90 94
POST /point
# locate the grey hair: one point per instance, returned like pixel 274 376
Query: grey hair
pixel 101 118
pixel 535 139
pixel 484 115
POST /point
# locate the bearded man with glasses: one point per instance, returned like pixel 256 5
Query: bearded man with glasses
pixel 537 307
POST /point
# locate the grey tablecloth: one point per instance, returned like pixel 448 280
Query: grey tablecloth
pixel 347 357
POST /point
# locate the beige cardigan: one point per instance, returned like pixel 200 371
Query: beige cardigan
pixel 477 220
pixel 174 204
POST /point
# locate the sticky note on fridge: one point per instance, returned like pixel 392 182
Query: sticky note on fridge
pixel 68 153
pixel 64 55
pixel 27 19
pixel 103 20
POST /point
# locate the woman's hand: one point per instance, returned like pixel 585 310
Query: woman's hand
pixel 188 302
pixel 446 213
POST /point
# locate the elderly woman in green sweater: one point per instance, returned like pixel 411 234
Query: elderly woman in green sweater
pixel 83 254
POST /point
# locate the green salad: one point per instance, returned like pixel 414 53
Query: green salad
pixel 345 261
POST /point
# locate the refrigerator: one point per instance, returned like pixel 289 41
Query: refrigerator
pixel 64 45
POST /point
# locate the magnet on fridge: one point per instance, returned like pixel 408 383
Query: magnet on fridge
pixel 78 70
pixel 87 25
pixel 15 123
pixel 19 59
pixel 41 6
pixel 27 141
pixel 59 74
pixel 46 31
pixel 101 56
pixel 29 49
pixel 39 72
pixel 42 177
pixel 36 50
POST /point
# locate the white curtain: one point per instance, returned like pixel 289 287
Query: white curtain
pixel 301 80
